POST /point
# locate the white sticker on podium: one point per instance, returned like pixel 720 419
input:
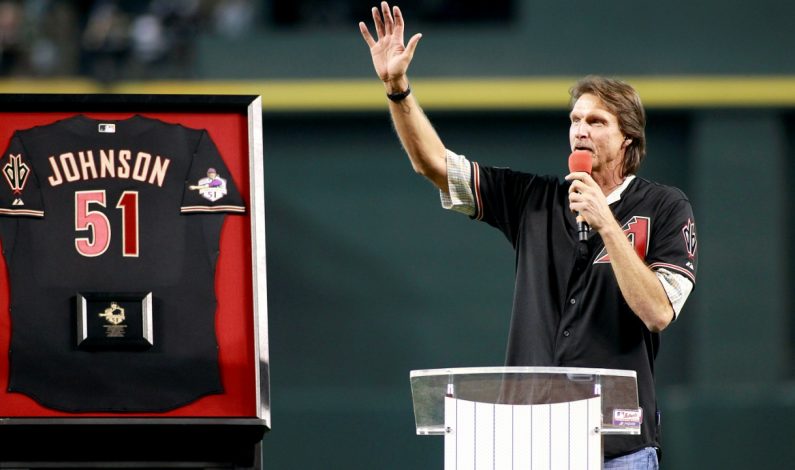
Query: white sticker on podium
pixel 627 417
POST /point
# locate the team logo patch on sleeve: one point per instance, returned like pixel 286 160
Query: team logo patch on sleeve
pixel 212 188
pixel 16 172
pixel 689 233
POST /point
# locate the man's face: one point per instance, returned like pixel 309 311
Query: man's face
pixel 596 129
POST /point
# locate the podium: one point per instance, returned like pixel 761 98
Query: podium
pixel 525 417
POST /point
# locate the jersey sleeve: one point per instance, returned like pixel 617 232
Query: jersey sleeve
pixel 675 245
pixel 20 193
pixel 209 186
pixel 459 195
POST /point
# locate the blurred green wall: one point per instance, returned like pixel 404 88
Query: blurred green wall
pixel 545 37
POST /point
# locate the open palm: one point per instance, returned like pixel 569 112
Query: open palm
pixel 390 56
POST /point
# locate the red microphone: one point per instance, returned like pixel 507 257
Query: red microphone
pixel 581 160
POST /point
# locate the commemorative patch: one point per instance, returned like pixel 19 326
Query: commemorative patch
pixel 212 188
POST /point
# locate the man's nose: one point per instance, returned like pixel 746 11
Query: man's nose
pixel 581 128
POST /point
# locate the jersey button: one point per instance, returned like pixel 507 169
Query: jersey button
pixel 566 333
pixel 572 301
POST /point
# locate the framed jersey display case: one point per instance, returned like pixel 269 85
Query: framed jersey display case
pixel 132 282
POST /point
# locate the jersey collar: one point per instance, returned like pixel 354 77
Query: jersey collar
pixel 615 196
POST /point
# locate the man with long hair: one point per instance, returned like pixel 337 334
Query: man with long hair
pixel 601 301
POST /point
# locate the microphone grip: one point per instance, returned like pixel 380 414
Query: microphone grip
pixel 582 231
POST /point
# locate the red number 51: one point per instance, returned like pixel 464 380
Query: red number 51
pixel 96 222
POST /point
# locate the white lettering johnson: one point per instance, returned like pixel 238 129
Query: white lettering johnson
pixel 123 164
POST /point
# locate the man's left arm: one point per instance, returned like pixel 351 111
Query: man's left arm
pixel 640 286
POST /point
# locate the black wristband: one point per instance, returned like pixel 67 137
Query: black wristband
pixel 399 96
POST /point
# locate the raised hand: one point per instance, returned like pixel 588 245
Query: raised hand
pixel 391 57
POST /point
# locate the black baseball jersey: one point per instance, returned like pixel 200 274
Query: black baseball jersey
pixel 134 205
pixel 568 310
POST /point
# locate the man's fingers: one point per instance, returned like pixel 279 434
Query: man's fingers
pixel 412 45
pixel 577 175
pixel 399 25
pixel 577 186
pixel 379 24
pixel 366 34
pixel 398 16
pixel 389 23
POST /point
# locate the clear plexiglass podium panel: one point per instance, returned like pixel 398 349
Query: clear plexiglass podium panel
pixel 527 386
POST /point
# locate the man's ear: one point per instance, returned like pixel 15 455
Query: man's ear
pixel 627 141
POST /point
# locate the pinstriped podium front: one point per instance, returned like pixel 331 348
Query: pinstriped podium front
pixel 525 418
pixel 489 436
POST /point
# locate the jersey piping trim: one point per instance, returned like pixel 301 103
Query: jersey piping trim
pixel 22 212
pixel 676 268
pixel 187 209
pixel 476 184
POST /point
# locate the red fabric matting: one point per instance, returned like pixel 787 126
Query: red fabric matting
pixel 234 319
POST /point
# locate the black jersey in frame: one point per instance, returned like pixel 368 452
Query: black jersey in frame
pixel 132 205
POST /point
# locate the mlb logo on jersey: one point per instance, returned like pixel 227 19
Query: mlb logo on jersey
pixel 105 128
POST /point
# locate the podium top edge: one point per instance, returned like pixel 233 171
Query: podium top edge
pixel 522 370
